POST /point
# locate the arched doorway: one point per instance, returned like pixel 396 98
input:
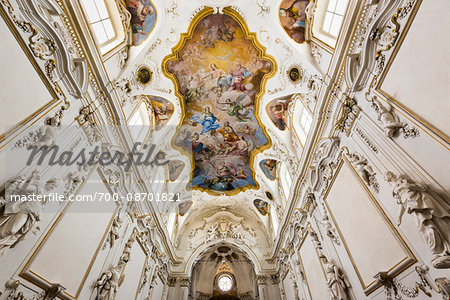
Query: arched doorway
pixel 223 272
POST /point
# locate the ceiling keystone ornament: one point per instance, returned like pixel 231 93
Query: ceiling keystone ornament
pixel 219 69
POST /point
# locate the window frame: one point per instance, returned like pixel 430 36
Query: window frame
pixel 334 12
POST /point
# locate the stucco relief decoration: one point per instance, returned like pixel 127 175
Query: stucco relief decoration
pixel 220 70
pixel 293 18
pixel 223 225
pixel 390 121
pixel 364 170
pixel 19 215
pixel 430 211
pixel 143 19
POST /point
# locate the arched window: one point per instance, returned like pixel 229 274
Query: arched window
pixel 334 17
pixel 225 283
pixel 328 19
pixel 285 181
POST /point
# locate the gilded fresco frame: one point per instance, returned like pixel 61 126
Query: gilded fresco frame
pixel 262 55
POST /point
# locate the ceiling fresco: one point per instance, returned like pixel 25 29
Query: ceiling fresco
pixel 219 70
pixel 162 110
pixel 143 19
pixel 269 168
pixel 277 109
pixel 293 18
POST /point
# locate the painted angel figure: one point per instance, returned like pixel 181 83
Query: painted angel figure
pixel 429 210
pixel 208 120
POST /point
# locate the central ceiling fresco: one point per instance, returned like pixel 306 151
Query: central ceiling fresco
pixel 220 70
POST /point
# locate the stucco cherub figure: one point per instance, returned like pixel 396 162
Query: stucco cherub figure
pixel 430 211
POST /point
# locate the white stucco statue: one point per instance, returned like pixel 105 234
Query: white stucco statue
pixel 388 120
pixel 108 284
pixel 336 281
pixel 18 215
pixel 429 210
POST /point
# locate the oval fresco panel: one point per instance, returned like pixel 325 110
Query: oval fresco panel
pixel 293 18
pixel 143 19
pixel 220 71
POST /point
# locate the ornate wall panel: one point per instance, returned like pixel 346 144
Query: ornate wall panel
pixel 374 245
pixel 314 273
pixel 70 247
pixel 20 104
pixel 133 273
pixel 417 62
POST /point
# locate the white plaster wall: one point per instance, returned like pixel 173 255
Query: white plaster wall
pixel 22 91
pixel 419 77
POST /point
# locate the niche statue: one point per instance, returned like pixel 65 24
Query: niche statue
pixel 429 210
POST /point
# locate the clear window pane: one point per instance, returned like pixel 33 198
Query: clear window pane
pixel 336 25
pixel 341 6
pixel 101 7
pixel 327 21
pixel 306 121
pixel 109 29
pixel 100 32
pixel 332 5
pixel 91 11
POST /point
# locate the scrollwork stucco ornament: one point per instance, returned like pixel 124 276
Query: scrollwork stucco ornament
pixel 329 229
pixel 430 211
